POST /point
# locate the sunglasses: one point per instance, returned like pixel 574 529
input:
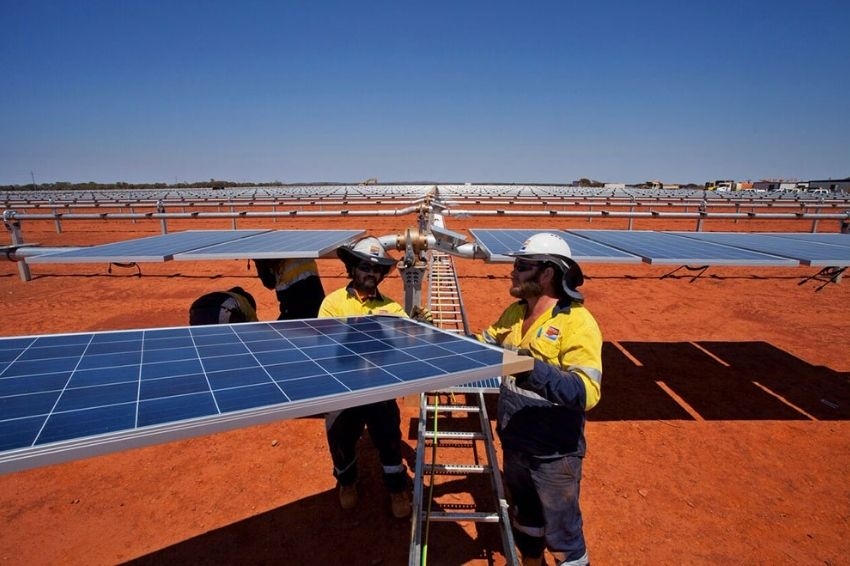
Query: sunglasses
pixel 367 267
pixel 523 266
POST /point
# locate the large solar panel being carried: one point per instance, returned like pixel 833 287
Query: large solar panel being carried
pixel 807 252
pixel 673 248
pixel 496 243
pixel 75 395
pixel 276 244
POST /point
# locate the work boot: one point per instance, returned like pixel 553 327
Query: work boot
pixel 348 496
pixel 400 503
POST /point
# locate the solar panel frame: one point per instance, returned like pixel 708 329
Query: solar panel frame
pixel 672 248
pixel 282 244
pixel 496 243
pixel 151 249
pixel 806 252
pixel 132 388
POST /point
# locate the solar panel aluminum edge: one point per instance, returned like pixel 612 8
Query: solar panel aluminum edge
pixel 127 389
pixel 283 244
pixel 151 249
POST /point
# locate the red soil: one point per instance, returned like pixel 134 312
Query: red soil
pixel 723 436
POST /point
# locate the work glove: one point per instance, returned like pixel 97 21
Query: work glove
pixel 422 314
pixel 522 377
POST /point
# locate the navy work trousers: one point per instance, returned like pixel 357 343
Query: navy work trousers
pixel 544 497
pixel 383 420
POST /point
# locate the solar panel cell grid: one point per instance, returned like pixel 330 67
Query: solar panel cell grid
pixel 65 389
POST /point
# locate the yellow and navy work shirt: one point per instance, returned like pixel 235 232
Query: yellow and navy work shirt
pixel 543 413
pixel 345 302
pixel 289 271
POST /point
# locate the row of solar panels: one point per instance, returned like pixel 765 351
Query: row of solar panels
pixel 588 246
pixel 679 248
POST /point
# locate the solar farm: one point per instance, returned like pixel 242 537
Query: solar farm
pixel 725 397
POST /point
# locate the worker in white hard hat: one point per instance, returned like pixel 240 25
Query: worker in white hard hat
pixel 367 263
pixel 541 413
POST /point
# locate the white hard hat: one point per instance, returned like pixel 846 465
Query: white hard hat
pixel 366 249
pixel 547 246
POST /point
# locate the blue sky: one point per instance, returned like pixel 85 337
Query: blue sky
pixel 490 91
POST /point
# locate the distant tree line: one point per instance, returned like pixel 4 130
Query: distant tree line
pixel 122 186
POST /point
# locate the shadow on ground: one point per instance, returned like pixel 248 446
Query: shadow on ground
pixel 643 381
pixel 717 381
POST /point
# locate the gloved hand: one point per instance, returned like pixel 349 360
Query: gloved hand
pixel 422 314
pixel 522 377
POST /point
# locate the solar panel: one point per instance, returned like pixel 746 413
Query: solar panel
pixel 807 252
pixel 673 248
pixel 75 395
pixel 276 244
pixel 150 249
pixel 498 242
pixel 819 237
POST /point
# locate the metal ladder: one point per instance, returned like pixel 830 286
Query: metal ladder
pixel 440 425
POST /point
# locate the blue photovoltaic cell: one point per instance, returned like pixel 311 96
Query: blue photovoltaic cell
pixel 673 248
pixel 497 243
pixel 150 249
pixel 806 251
pixel 76 395
pixel 276 244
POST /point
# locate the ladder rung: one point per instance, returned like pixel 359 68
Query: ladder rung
pixel 442 516
pixel 456 469
pixel 453 435
pixel 453 408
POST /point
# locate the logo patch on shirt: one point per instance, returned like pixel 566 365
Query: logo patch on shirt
pixel 552 333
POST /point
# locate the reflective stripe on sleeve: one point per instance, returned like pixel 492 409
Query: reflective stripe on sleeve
pixel 593 373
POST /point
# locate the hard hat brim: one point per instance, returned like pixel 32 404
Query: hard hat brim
pixel 349 257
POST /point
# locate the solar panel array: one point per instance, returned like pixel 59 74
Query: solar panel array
pixel 275 244
pixel 75 395
pixel 704 248
pixel 209 245
pixel 807 251
pixel 668 248
pixel 497 243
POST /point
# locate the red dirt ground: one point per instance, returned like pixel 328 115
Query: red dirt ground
pixel 723 436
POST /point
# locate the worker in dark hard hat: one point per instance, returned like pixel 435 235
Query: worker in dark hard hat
pixel 541 413
pixel 296 283
pixel 367 264
pixel 223 307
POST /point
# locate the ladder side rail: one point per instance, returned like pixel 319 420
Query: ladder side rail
pixel 498 487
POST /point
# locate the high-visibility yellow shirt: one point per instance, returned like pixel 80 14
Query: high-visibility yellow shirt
pixel 565 337
pixel 289 271
pixel 345 302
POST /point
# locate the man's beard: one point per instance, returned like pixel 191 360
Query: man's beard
pixel 527 290
pixel 366 284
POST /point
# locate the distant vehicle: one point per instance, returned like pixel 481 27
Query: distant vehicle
pixel 721 185
pixel 818 191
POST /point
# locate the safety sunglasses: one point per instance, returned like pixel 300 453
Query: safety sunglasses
pixel 367 267
pixel 523 266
